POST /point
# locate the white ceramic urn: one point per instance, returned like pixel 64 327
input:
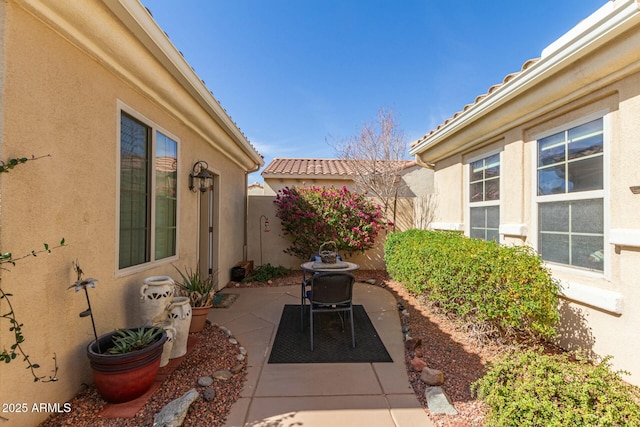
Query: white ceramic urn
pixel 167 325
pixel 155 296
pixel 179 314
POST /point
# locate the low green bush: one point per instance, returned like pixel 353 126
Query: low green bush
pixel 505 289
pixel 266 272
pixel 533 389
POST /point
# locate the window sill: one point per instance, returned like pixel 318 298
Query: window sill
pixel 602 299
pixel 448 226
pixel 519 230
pixel 625 237
pixel 144 267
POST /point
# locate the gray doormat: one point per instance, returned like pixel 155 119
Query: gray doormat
pixel 331 343
pixel 224 300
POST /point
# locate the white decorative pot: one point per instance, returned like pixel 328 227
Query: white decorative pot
pixel 179 314
pixel 155 297
pixel 167 325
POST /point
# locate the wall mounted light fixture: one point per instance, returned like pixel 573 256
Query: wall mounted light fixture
pixel 200 172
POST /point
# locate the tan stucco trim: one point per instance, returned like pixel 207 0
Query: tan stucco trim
pixel 519 230
pixel 139 58
pixel 626 237
pixel 602 299
pixel 447 226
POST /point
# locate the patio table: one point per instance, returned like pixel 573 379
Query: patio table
pixel 313 267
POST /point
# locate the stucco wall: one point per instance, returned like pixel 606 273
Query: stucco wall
pixel 419 181
pixel 274 243
pixel 449 191
pixel 415 200
pixel 57 100
pixel 587 321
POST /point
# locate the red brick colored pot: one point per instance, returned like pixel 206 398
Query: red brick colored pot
pixel 124 377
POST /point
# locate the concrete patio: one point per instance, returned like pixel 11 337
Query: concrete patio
pixel 318 394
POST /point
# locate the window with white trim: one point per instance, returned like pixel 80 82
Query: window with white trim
pixel 484 198
pixel 570 196
pixel 148 193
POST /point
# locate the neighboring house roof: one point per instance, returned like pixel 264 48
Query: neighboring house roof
pixel 255 189
pixel 318 168
pixel 306 167
pixel 607 23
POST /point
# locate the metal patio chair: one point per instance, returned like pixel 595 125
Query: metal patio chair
pixel 331 292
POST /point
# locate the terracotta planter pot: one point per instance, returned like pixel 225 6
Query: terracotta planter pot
pixel 123 377
pixel 198 318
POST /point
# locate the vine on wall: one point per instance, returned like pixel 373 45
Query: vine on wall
pixel 16 348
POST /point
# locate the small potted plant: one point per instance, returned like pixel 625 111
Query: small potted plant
pixel 201 291
pixel 125 362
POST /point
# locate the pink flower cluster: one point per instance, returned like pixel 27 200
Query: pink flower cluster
pixel 311 216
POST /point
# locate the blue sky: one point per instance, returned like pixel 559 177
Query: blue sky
pixel 300 75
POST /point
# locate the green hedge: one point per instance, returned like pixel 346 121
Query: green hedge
pixel 505 287
pixel 532 389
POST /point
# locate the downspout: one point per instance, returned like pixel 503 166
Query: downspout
pixel 424 164
pixel 246 212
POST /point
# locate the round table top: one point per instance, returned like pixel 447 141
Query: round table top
pixel 320 266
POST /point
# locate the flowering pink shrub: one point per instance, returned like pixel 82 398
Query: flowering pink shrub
pixel 312 216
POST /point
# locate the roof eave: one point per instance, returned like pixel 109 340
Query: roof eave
pixel 141 23
pixel 603 25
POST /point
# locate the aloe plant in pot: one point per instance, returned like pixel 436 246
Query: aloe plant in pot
pixel 201 291
pixel 125 362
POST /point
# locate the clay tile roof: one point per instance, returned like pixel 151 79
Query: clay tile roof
pixel 306 167
pixel 314 167
pixel 479 98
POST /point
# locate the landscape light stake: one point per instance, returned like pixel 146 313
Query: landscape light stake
pixel 83 284
pixel 266 230
pixel 88 312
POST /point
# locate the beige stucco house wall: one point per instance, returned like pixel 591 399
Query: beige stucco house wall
pixel 271 249
pixel 282 173
pixel 69 71
pixel 587 82
pixel 415 190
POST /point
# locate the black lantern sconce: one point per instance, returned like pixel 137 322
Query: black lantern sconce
pixel 200 172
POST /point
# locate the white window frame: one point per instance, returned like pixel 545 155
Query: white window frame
pixel 469 204
pixel 582 195
pixel 155 128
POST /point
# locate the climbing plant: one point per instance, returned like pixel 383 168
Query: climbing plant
pixel 15 327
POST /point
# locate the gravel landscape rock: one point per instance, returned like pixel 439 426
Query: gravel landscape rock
pixel 212 353
pixel 435 340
